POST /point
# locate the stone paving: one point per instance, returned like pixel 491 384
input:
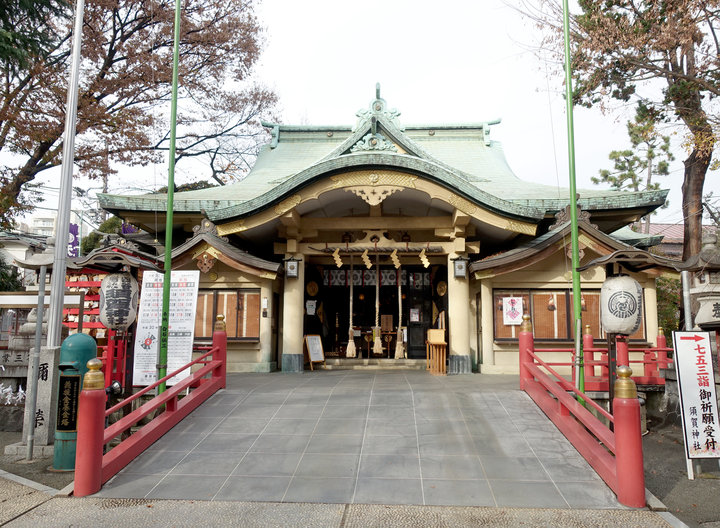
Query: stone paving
pixel 367 437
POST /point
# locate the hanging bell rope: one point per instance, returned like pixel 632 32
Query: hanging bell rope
pixel 377 343
pixel 399 349
pixel 350 350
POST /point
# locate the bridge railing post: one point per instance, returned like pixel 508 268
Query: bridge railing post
pixel 219 343
pixel 623 353
pixel 662 354
pixel 628 441
pixel 589 355
pixel 526 342
pixel 91 431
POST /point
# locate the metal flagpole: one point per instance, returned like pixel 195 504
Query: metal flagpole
pixel 162 350
pixel 577 306
pixel 62 226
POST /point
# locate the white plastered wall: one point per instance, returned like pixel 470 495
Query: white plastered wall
pixel 551 273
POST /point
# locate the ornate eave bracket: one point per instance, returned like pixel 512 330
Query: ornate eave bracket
pixel 563 216
pixel 206 227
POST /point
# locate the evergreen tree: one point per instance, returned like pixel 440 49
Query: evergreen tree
pixel 648 156
pixel 9 277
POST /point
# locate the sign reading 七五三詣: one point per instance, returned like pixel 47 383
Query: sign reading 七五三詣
pixel 696 384
pixel 181 328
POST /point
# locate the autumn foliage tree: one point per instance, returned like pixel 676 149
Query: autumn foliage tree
pixel 665 53
pixel 125 86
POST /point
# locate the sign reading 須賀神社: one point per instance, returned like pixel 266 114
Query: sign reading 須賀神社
pixel 181 328
pixel 696 383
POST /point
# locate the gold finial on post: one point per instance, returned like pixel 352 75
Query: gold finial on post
pixel 220 323
pixel 587 330
pixel 624 385
pixel 526 325
pixel 94 379
pixel 661 331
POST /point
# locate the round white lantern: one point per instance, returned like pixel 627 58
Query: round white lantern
pixel 118 301
pixel 621 305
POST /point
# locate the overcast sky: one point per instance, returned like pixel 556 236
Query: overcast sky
pixel 457 61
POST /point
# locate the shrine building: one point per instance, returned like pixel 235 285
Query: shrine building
pixel 373 234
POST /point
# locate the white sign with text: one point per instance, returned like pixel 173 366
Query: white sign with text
pixel 181 327
pixel 696 384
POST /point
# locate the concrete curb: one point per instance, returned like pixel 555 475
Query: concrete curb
pixel 653 503
pixel 656 505
pixel 29 483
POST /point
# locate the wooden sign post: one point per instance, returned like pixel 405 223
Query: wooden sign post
pixel 314 350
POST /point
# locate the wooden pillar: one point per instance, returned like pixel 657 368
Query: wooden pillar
pixel 293 318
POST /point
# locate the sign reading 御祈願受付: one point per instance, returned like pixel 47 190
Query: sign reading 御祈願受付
pixel 696 383
pixel 181 328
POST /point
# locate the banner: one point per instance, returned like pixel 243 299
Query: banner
pixel 181 327
pixel 696 384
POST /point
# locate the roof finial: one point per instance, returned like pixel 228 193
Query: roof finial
pixel 378 107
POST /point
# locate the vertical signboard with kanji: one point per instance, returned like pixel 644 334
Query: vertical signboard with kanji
pixel 698 401
pixel 181 328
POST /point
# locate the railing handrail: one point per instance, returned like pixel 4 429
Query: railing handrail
pixel 147 389
pixel 615 454
pixel 563 382
pixel 93 466
pixel 141 412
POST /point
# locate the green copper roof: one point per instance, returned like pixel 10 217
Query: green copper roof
pixel 459 157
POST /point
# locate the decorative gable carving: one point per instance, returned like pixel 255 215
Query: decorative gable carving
pixel 374 142
pixel 374 195
pixel 205 262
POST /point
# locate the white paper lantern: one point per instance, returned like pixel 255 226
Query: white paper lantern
pixel 118 301
pixel 621 305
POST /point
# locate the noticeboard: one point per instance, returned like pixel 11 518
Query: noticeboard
pixel 313 346
pixel 181 325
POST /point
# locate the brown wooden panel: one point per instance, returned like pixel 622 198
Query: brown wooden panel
pixel 204 315
pixel 549 323
pixel 252 315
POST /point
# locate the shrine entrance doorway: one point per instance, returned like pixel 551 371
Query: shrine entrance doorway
pixel 327 307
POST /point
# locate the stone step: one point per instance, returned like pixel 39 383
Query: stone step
pixel 374 364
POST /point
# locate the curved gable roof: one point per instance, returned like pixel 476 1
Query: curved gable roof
pixel 458 157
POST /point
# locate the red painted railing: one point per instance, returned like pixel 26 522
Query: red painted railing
pixel 92 468
pixel 616 455
pixel 595 362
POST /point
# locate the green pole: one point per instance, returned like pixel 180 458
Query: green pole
pixel 162 352
pixel 577 306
